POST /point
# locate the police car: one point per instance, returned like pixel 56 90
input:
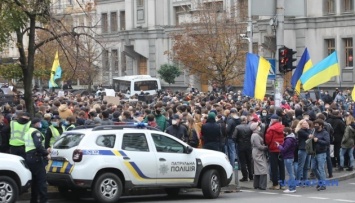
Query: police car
pixel 15 177
pixel 111 160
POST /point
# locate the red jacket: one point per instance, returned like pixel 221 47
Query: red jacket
pixel 274 134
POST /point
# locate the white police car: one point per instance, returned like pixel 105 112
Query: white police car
pixel 111 160
pixel 15 177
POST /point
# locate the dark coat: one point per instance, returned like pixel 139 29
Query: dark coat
pixel 302 135
pixel 339 127
pixel 323 142
pixel 178 131
pixel 243 135
pixel 211 131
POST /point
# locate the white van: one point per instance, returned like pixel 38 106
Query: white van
pixel 134 84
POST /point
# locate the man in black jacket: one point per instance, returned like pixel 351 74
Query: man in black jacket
pixel 232 122
pixel 335 120
pixel 211 133
pixel 243 134
pixel 177 129
pixel 321 142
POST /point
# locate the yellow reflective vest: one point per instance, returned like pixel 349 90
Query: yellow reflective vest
pixel 18 132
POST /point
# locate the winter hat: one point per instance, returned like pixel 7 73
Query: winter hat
pixel 274 116
pixel 211 115
pixel 254 126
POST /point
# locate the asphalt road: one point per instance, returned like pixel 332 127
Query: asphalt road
pixel 342 193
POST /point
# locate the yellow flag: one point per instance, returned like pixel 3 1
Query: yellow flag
pixel 353 94
pixel 54 68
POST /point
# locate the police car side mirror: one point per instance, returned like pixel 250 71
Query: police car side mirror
pixel 189 149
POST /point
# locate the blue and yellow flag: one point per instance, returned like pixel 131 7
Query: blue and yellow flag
pixel 56 72
pixel 304 65
pixel 256 72
pixel 321 72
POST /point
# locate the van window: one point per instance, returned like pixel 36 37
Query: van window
pixel 146 85
pixel 68 141
pixel 121 86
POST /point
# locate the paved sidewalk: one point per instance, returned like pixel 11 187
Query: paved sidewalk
pixel 340 176
pixel 337 176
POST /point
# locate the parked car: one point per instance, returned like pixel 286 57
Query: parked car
pixel 111 160
pixel 15 177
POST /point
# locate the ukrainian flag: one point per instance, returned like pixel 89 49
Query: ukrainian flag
pixel 321 72
pixel 56 72
pixel 256 72
pixel 304 65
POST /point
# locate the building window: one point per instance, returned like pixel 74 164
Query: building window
pixel 140 10
pixel 104 23
pixel 348 5
pixel 122 20
pixel 114 57
pixel 330 43
pixel 215 6
pixel 113 21
pixel 329 6
pixel 182 14
pixel 348 42
pixel 105 62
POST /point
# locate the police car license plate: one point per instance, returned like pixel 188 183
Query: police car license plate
pixel 57 164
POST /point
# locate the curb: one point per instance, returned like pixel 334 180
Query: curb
pixel 54 194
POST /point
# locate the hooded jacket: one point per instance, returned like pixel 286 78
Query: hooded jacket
pixel 64 111
pixel 287 149
pixel 348 138
pixel 274 134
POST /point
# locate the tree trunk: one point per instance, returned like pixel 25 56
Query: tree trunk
pixel 28 66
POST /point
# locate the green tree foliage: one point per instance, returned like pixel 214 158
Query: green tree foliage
pixel 11 71
pixel 169 72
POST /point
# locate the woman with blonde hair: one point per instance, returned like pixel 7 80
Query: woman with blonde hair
pixel 193 139
pixel 303 131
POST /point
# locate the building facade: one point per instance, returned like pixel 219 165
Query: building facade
pixel 135 35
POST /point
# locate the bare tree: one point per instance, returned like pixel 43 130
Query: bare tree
pixel 209 45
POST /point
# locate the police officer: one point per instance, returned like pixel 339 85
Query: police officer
pixel 71 120
pixel 18 129
pixel 36 156
pixel 54 131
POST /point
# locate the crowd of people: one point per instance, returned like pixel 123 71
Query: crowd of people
pixel 261 138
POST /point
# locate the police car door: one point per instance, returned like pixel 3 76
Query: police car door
pixel 175 167
pixel 139 159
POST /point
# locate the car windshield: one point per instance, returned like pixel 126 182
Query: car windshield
pixel 68 141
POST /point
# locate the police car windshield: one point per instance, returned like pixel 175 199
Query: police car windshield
pixel 68 141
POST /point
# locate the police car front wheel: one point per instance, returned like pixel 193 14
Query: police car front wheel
pixel 211 185
pixel 107 188
pixel 8 190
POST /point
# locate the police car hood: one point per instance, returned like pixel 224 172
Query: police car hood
pixel 209 152
pixel 10 156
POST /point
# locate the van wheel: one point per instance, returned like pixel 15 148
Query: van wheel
pixel 8 190
pixel 211 185
pixel 107 188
